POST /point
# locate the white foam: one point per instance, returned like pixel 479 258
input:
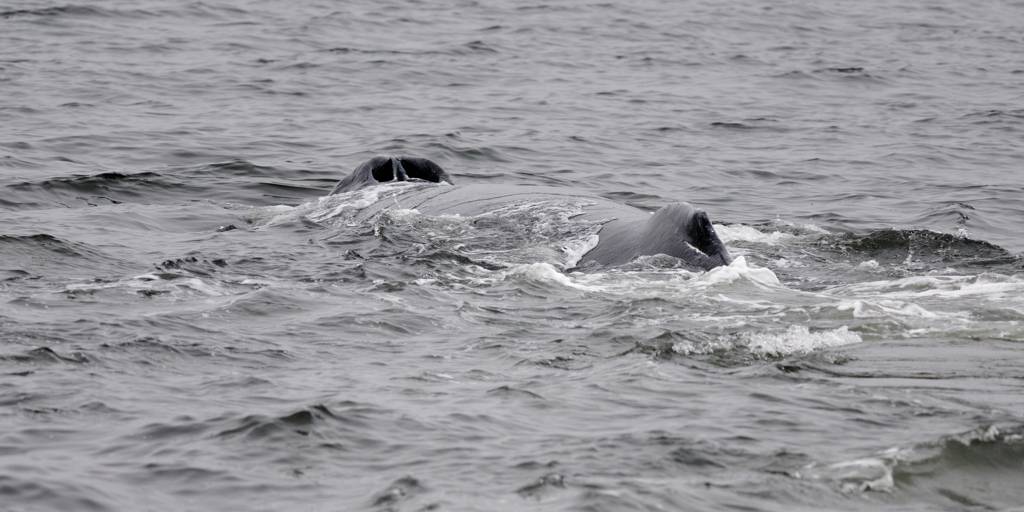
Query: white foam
pixel 154 283
pixel 863 475
pixel 739 270
pixel 544 273
pixel 742 233
pixel 788 263
pixel 990 286
pixel 333 207
pixel 868 265
pixel 672 282
pixel 638 284
pixel 198 285
pixel 268 215
pixel 799 339
pixel 688 347
pixel 575 250
pixel 884 308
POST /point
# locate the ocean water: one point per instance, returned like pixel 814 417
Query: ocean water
pixel 189 322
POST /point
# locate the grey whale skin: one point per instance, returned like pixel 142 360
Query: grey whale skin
pixel 678 229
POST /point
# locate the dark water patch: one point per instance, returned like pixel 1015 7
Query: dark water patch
pixel 268 302
pixel 399 491
pixel 796 74
pixel 851 69
pixel 781 178
pixel 192 265
pixel 661 346
pixel 253 184
pixel 98 189
pixel 468 153
pixel 556 177
pixel 342 50
pixel 721 350
pixel 986 449
pixel 237 168
pixel 561 362
pixel 35 493
pixel 687 453
pixel 98 407
pixel 64 10
pixel 649 202
pixel 259 426
pixel 15 274
pixel 212 11
pixel 182 427
pixel 850 73
pixel 383 323
pixel 18 145
pixel 241 382
pixel 274 354
pixel 30 335
pixel 182 474
pixel 44 355
pixel 443 259
pixel 18 397
pixel 995 116
pixel 957 214
pixel 44 241
pixel 543 485
pixel 291 192
pixel 473 47
pixel 152 293
pixel 340 271
pixel 895 246
pixel 668 454
pixel 510 392
pixel 19 110
pixel 156 350
pixel 765 124
pixel 29 256
pixel 731 125
pixel 348 423
pixel 815 361
pixel 978 469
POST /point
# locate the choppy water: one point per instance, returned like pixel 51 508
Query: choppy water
pixel 863 160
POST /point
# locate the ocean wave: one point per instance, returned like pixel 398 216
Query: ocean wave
pixel 915 246
pixel 42 254
pixel 97 189
pixel 979 468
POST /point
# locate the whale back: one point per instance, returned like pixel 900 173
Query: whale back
pixel 627 232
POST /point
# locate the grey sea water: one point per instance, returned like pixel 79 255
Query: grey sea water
pixel 189 322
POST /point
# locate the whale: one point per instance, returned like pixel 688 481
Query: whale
pixel 678 229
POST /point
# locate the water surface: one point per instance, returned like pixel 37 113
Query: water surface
pixel 189 322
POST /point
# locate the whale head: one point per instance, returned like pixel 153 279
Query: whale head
pixel 681 230
pixel 704 238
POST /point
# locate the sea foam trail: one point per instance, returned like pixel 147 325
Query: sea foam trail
pixel 335 209
pixel 799 339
